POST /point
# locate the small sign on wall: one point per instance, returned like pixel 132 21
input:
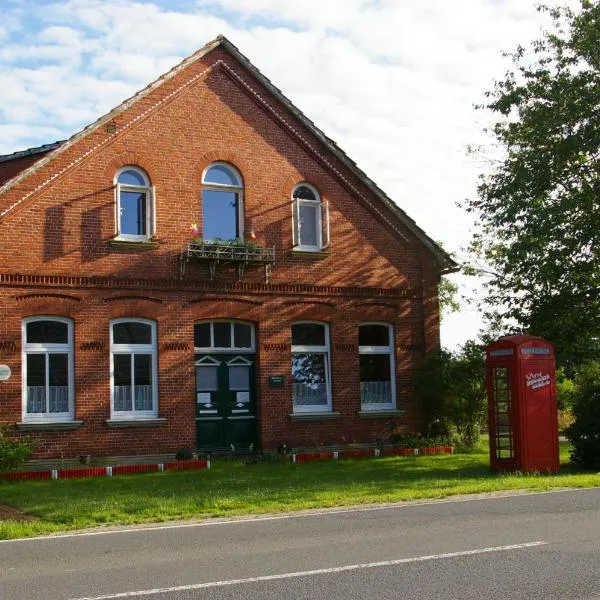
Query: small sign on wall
pixel 276 381
pixel 5 372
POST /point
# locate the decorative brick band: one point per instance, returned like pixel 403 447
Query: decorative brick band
pixel 22 279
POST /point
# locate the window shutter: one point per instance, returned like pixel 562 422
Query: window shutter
pixel 325 224
pixel 118 208
pixel 152 211
pixel 295 222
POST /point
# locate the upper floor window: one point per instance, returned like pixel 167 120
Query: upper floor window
pixel 311 382
pixel 310 219
pixel 222 202
pixel 134 204
pixel 48 382
pixel 133 369
pixel 377 381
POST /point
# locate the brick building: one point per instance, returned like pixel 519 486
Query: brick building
pixel 202 267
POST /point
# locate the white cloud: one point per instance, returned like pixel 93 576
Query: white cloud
pixel 392 81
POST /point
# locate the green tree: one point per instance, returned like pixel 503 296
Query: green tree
pixel 448 295
pixel 450 390
pixel 584 433
pixel 537 210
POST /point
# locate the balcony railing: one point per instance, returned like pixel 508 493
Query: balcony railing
pixel 237 253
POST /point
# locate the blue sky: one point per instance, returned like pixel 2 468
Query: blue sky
pixel 393 82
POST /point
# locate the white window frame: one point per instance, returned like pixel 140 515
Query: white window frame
pixel 322 220
pixel 232 349
pixel 46 349
pixel 390 351
pixel 130 349
pixel 150 193
pixel 221 187
pixel 315 349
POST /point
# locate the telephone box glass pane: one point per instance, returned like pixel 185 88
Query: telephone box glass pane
pixel 502 414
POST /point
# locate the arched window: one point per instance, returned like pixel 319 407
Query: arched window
pixel 222 203
pixel 133 368
pixel 134 205
pixel 377 380
pixel 310 219
pixel 48 382
pixel 311 383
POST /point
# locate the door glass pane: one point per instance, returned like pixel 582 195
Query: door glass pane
pixel 239 378
pixel 132 333
pixel 59 383
pixel 36 383
pixel 375 379
pixel 309 385
pixel 373 335
pixel 309 224
pixel 122 382
pixel 133 213
pixel 47 332
pixel 206 379
pixel 222 333
pixel 219 215
pixel 308 334
pixel 242 335
pixel 202 335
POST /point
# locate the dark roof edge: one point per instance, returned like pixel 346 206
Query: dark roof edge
pixel 31 151
pixel 448 264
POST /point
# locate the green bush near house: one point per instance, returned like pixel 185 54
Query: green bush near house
pixel 13 451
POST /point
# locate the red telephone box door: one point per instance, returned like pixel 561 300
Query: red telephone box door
pixel 502 417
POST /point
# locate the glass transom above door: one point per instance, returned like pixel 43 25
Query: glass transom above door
pixel 223 336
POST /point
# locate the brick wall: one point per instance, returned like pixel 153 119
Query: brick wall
pixel 56 259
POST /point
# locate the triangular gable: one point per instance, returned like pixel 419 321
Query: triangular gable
pixel 385 208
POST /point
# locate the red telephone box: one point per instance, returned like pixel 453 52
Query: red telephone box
pixel 522 410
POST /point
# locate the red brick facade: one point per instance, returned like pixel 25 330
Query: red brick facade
pixel 57 220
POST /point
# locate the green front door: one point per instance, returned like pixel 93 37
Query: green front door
pixel 225 402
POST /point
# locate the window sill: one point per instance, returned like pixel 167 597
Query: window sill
pixel 318 254
pixel 380 414
pixel 315 416
pixel 118 423
pixel 48 425
pixel 134 245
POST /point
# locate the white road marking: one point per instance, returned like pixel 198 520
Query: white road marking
pixel 384 563
pixel 209 522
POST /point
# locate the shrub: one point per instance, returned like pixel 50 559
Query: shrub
pixel 450 390
pixel 584 433
pixel 13 451
pixel 184 454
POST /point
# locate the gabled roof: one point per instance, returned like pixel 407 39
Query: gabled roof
pixel 32 159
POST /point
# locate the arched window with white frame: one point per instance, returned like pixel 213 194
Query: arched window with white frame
pixel 222 203
pixel 135 205
pixel 133 369
pixel 377 367
pixel 311 367
pixel 310 219
pixel 48 379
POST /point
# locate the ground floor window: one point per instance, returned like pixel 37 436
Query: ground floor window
pixel 377 381
pixel 133 369
pixel 48 383
pixel 311 383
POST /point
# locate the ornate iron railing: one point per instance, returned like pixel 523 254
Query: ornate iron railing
pixel 223 253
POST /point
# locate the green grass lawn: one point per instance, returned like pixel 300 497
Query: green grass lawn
pixel 232 488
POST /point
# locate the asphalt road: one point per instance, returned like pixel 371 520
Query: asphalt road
pixel 525 546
